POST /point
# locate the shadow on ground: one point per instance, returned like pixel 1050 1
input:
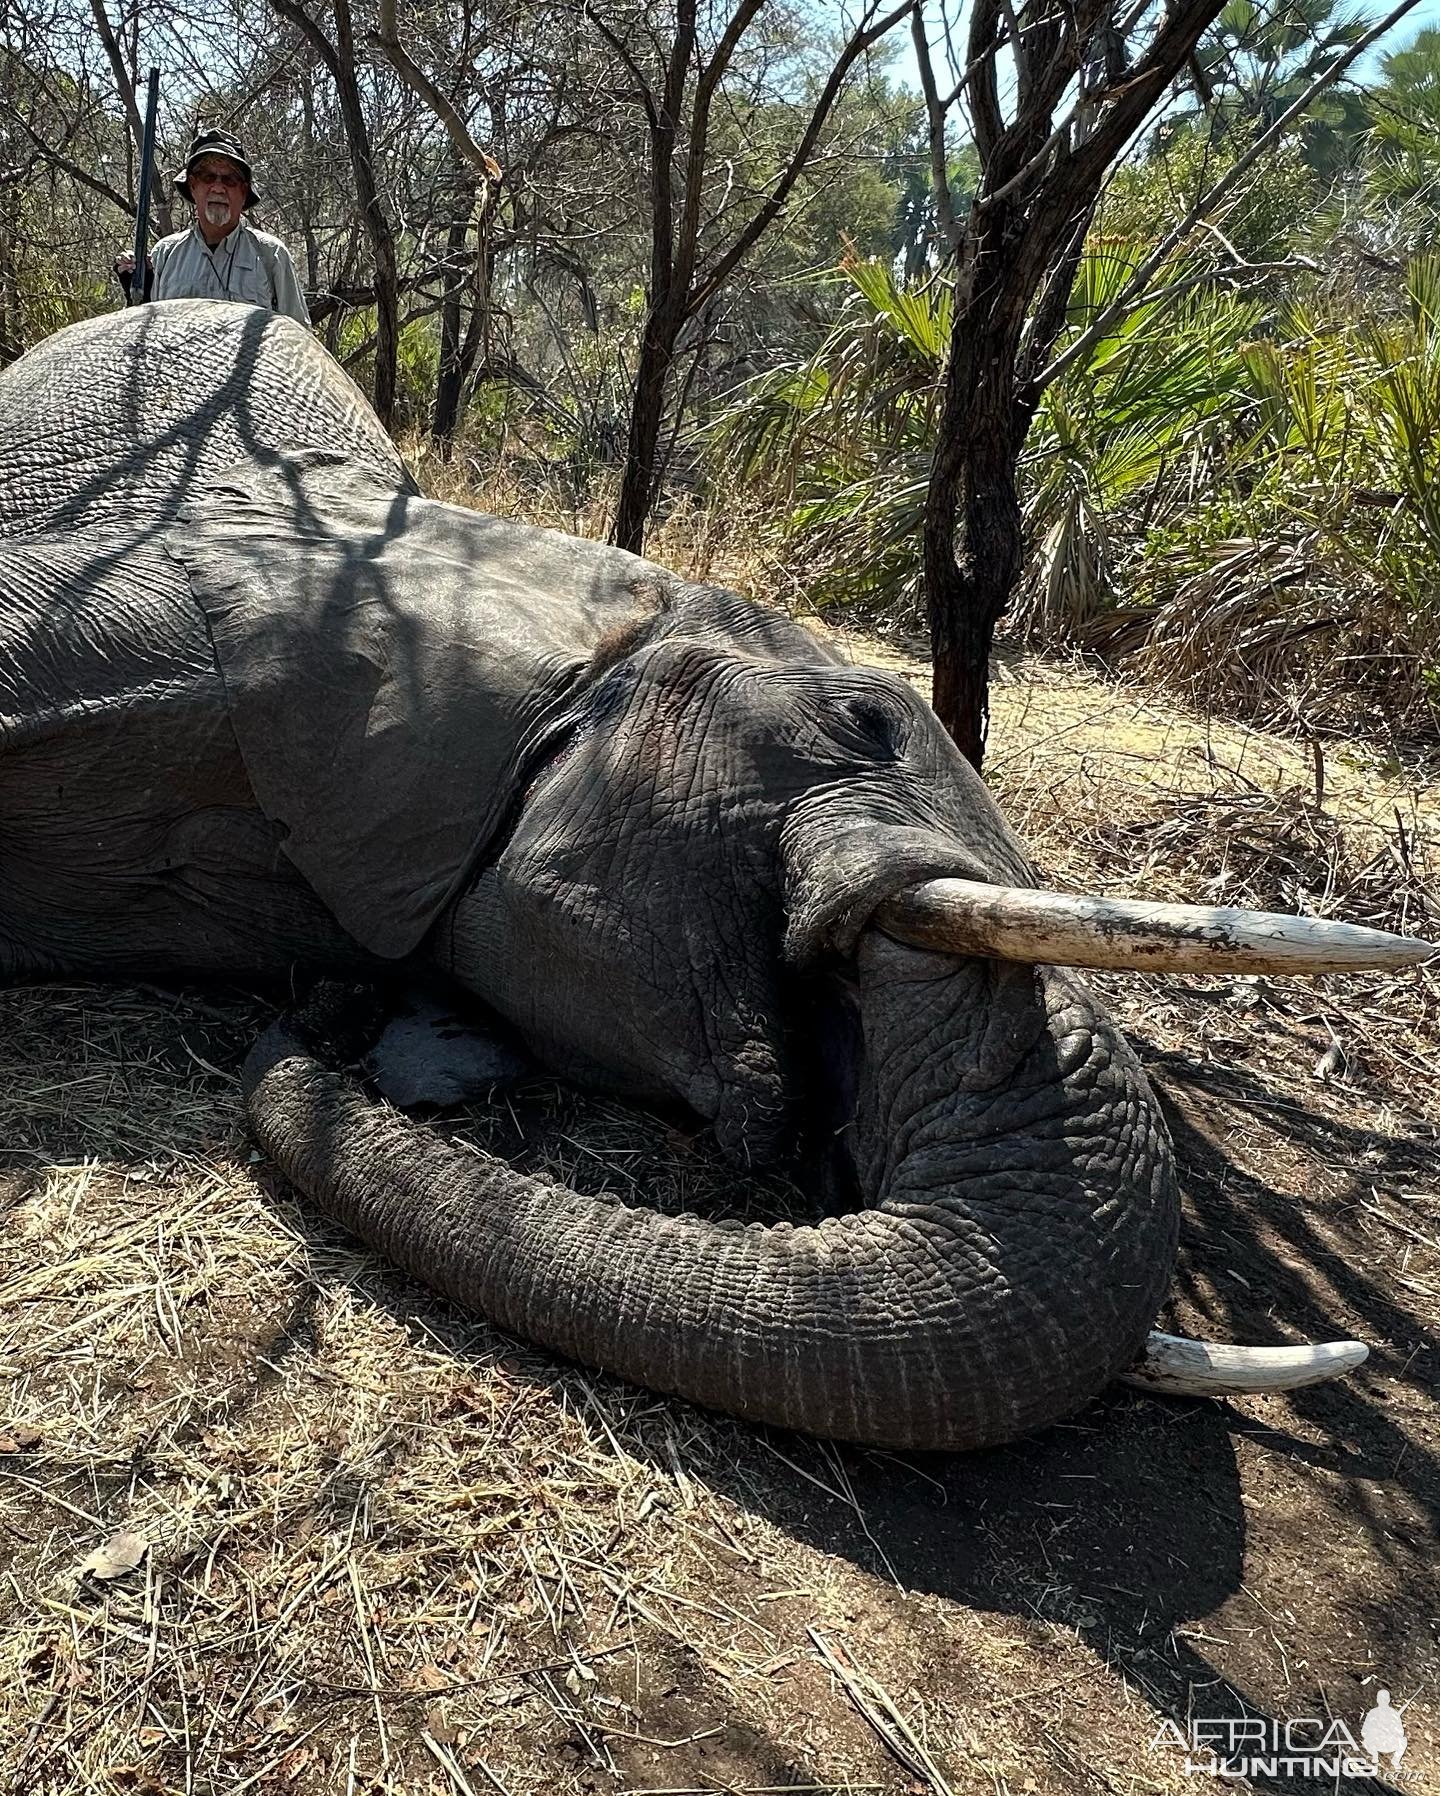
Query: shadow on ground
pixel 1269 1561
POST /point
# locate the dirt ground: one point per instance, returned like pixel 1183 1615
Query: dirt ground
pixel 272 1519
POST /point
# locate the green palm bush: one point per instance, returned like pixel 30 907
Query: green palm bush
pixel 1398 411
pixel 1247 495
pixel 843 441
pixel 1261 55
pixel 1308 589
pixel 1403 163
pixel 1121 440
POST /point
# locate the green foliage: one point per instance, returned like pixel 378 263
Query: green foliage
pixel 1308 581
pixel 1261 56
pixel 1159 389
pixel 1247 488
pixel 1404 159
pixel 1359 413
pixel 848 435
pixel 417 369
pixel 1146 198
pixel 42 287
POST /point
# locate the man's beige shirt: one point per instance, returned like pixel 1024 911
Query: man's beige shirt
pixel 246 265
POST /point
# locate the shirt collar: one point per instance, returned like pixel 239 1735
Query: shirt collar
pixel 227 245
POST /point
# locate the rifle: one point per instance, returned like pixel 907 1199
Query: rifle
pixel 136 292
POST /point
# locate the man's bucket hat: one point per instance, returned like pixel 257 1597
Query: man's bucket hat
pixel 216 143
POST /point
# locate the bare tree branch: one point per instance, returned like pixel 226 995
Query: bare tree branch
pixel 387 39
pixel 1211 198
pixel 66 165
pixel 159 199
pixel 643 91
pixel 745 240
pixel 935 130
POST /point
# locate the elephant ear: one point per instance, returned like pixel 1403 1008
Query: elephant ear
pixel 393 667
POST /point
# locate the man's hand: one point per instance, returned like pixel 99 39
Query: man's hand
pixel 124 268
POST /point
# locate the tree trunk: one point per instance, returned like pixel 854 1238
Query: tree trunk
pixel 477 331
pixel 377 225
pixel 449 381
pixel 387 326
pixel 967 595
pixel 973 543
pixel 304 193
pixel 339 59
pixel 647 412
pixel 1022 241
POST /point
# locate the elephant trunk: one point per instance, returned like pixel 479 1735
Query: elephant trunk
pixel 1017 1237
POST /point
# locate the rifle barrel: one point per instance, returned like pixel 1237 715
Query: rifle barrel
pixel 142 196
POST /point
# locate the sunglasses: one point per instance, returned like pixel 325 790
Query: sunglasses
pixel 211 177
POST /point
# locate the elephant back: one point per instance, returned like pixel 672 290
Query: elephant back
pixel 131 841
pixel 123 419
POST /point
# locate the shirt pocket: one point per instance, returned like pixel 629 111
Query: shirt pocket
pixel 248 278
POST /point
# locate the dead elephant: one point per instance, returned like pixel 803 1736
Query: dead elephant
pixel 263 707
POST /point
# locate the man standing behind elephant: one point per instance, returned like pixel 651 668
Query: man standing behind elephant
pixel 220 256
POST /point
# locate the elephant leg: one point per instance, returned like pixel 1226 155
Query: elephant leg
pixel 18 966
pixel 431 1053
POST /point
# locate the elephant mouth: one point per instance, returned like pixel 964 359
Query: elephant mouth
pixel 825 1040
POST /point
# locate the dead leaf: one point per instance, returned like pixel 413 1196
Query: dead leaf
pixel 469 1399
pixel 19 1439
pixel 135 1780
pixel 439 1729
pixel 295 1762
pixel 120 1554
pixel 428 1677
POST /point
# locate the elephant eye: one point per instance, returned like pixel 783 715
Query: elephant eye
pixel 873 727
pixel 613 691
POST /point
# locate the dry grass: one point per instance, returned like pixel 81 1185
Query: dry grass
pixel 388 1549
pixel 1268 631
pixel 1117 791
pixel 702 542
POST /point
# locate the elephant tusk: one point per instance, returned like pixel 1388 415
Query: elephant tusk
pixel 1182 1368
pixel 961 916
